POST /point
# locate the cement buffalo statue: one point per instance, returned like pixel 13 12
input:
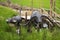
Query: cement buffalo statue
pixel 40 21
pixel 16 20
pixel 37 19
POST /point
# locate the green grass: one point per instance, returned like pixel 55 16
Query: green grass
pixel 5 29
pixel 2 0
pixel 36 3
pixel 4 14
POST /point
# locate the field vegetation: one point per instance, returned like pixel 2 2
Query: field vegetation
pixel 8 33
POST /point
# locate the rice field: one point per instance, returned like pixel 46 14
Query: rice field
pixel 8 33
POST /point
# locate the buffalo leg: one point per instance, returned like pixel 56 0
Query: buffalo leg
pixel 18 28
pixel 38 27
pixel 29 27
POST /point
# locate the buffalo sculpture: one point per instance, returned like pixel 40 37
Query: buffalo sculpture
pixel 37 19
